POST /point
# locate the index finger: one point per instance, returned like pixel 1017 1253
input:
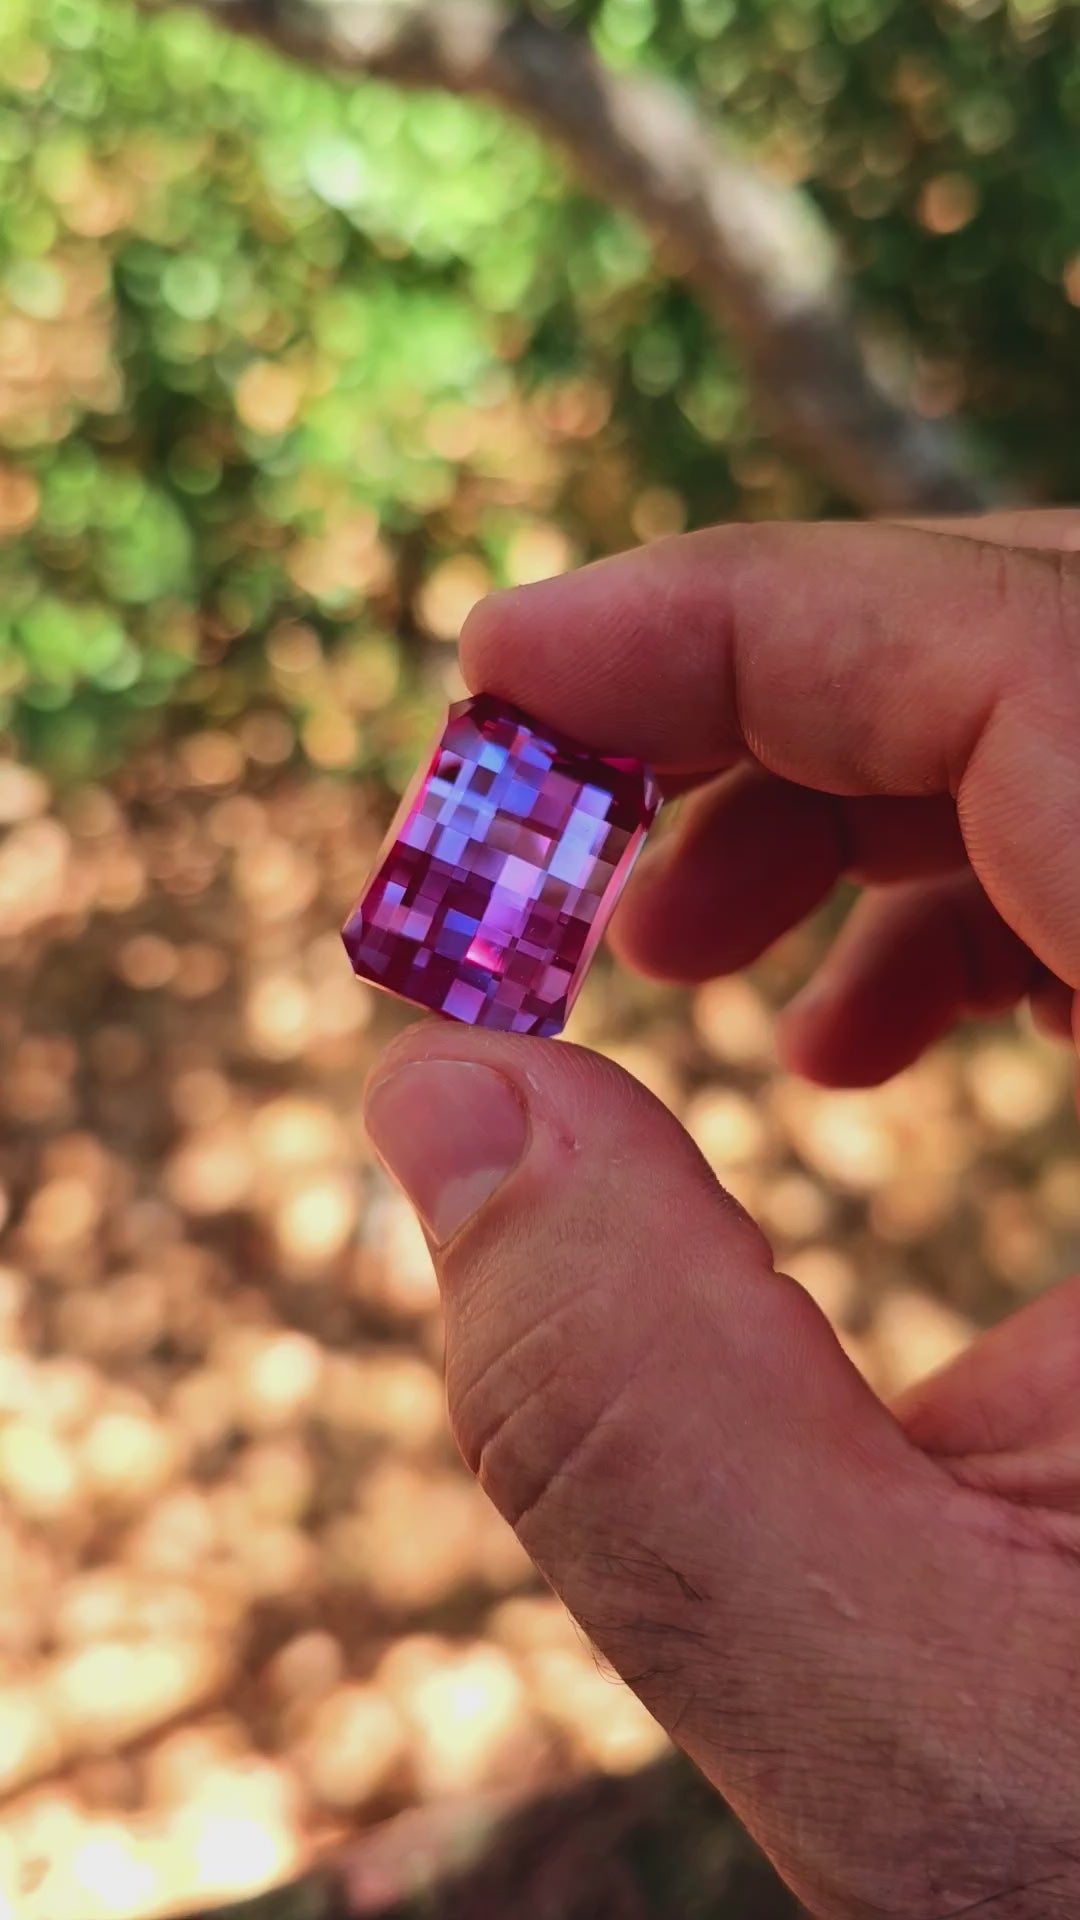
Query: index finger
pixel 851 659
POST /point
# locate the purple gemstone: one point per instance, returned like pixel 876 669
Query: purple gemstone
pixel 500 872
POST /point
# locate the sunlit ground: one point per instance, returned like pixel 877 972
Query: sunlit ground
pixel 250 1599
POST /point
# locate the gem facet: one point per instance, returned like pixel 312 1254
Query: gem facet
pixel 500 872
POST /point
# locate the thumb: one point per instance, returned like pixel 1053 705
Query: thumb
pixel 671 1427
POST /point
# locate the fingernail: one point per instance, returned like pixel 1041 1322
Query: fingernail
pixel 450 1133
pixel 797 1020
pixel 818 989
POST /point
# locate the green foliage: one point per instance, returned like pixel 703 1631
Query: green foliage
pixel 940 140
pixel 289 370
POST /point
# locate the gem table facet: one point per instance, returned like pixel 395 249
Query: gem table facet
pixel 500 872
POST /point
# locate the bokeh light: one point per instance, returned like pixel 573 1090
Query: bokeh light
pixel 291 374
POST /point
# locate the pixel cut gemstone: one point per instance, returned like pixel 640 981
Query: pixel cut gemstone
pixel 500 871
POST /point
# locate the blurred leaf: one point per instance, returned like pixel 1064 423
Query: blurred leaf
pixel 241 304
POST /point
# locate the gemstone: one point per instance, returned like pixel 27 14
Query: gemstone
pixel 500 871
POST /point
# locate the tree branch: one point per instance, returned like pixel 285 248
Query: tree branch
pixel 757 255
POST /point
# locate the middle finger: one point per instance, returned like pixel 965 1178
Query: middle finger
pixel 752 855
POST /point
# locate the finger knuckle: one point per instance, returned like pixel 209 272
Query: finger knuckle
pixel 525 1392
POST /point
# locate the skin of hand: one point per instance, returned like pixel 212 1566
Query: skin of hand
pixel 862 1623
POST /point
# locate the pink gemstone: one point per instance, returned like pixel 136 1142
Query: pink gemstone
pixel 500 872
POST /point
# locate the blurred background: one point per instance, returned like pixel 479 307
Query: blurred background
pixel 295 364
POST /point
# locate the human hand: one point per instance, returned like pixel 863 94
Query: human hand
pixel 861 1623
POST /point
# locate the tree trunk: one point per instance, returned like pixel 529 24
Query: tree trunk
pixel 758 256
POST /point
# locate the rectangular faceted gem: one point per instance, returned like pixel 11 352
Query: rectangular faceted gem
pixel 500 871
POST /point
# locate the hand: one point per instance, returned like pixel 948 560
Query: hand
pixel 863 1624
